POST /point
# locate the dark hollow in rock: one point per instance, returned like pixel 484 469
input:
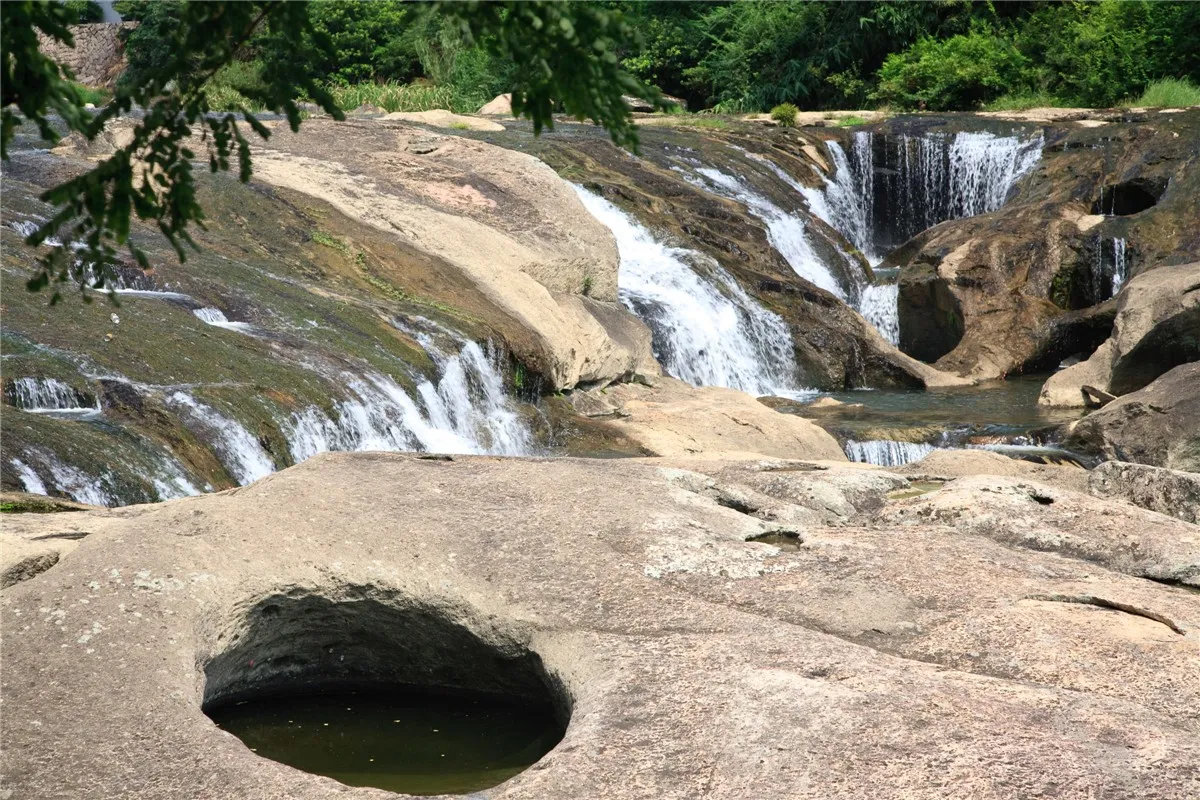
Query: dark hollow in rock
pixel 289 649
pixel 1129 197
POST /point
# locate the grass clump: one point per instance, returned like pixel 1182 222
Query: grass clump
pixel 392 96
pixel 850 122
pixel 96 97
pixel 1169 93
pixel 1023 101
pixel 330 241
pixel 785 114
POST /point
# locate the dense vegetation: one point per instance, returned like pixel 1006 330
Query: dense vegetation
pixel 752 56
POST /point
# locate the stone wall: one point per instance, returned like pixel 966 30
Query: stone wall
pixel 99 53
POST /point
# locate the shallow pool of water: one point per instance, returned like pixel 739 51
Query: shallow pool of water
pixel 996 410
pixel 415 743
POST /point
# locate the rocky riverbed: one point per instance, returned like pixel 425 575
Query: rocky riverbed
pixel 624 393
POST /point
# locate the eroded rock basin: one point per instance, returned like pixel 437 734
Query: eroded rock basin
pixel 994 638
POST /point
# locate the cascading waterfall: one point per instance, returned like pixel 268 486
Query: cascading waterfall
pixel 885 452
pixel 48 396
pixel 465 412
pixel 706 332
pixel 238 450
pixel 922 181
pixel 785 231
pixel 168 480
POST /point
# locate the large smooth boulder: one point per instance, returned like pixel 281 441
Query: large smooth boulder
pixel 672 418
pixel 836 662
pixel 1157 327
pixel 503 219
pixel 1158 425
pixel 1168 491
pixel 498 106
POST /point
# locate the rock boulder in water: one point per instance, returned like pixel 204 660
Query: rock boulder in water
pixel 1158 425
pixel 834 663
pixel 1157 327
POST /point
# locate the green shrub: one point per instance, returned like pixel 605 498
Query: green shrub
pixel 84 11
pixel 1024 100
pixel 850 122
pixel 419 96
pixel 961 72
pixel 785 114
pixel 234 86
pixel 1170 93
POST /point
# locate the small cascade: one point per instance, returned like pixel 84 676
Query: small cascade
pixel 880 304
pixel 707 330
pixel 29 479
pixel 885 452
pixel 466 411
pixel 1120 268
pixel 785 231
pixel 216 317
pixel 238 450
pixel 48 396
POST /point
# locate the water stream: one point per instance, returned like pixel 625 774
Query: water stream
pixel 706 329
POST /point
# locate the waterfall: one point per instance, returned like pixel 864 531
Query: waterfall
pixel 465 412
pixel 216 317
pixel 48 396
pixel 1120 269
pixel 921 181
pixel 238 449
pixel 29 479
pixel 845 204
pixel 707 330
pixel 785 231
pixel 885 452
pixel 879 303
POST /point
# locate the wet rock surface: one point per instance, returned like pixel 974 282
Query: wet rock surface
pixel 905 649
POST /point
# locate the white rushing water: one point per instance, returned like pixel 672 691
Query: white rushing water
pixel 1120 269
pixel 785 231
pixel 238 449
pixel 48 396
pixel 880 304
pixel 846 202
pixel 29 479
pixel 216 317
pixel 707 330
pixel 466 411
pixel 885 452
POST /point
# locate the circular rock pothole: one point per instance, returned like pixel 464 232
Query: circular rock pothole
pixel 376 690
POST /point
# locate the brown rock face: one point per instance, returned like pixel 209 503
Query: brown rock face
pixel 1158 425
pixel 1168 491
pixel 1021 288
pixel 1157 327
pixel 977 641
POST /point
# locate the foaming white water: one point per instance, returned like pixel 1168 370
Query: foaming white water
pixel 237 448
pixel 1120 269
pixel 708 332
pixel 29 479
pixel 847 199
pixel 216 317
pixel 885 452
pixel 48 396
pixel 785 231
pixel 984 167
pixel 466 411
pixel 879 304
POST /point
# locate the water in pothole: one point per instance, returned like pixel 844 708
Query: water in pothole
pixel 408 742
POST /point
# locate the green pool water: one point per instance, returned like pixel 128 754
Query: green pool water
pixel 415 743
